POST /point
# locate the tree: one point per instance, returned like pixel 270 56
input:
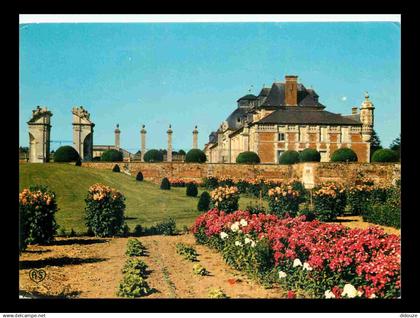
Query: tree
pixel 396 145
pixel 375 142
pixel 181 152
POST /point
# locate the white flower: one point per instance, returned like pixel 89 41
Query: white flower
pixel 235 227
pixel 297 262
pixel 247 240
pixel 329 294
pixel 307 266
pixel 237 243
pixel 223 235
pixel 243 222
pixel 253 244
pixel 349 291
pixel 372 296
pixel 282 274
pixel 359 293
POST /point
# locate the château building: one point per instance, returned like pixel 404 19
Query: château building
pixel 289 116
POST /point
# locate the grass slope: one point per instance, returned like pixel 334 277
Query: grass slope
pixel 145 203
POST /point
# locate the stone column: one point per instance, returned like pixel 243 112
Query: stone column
pixel 82 133
pixel 195 138
pixel 117 137
pixel 143 142
pixel 169 151
pixel 39 135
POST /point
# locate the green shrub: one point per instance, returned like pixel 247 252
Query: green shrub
pixel 387 213
pixel 198 269
pixel 289 157
pixel 385 155
pixel 112 155
pixel 225 199
pixel 283 200
pixel 139 176
pixel 249 157
pixel 78 162
pixel 104 210
pixel 135 266
pixel 66 154
pixel 165 184
pixel 210 183
pixel 133 286
pixel 358 198
pixel 195 155
pixel 310 215
pixel 309 155
pixel 37 208
pixel 97 158
pixel 72 233
pixel 125 230
pixel 181 153
pixel 329 201
pixel 204 202
pixel 138 230
pixel 135 248
pixel 344 155
pixel 166 227
pixel 116 168
pixel 153 155
pixel 188 252
pixel 255 209
pixel 192 190
pixel 217 293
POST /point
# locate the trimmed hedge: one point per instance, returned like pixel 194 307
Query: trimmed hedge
pixel 78 162
pixel 66 154
pixel 192 190
pixel 204 201
pixel 139 176
pixel 289 157
pixel 195 155
pixel 165 184
pixel 112 155
pixel 309 155
pixel 153 155
pixel 344 155
pixel 248 157
pixel 116 168
pixel 385 155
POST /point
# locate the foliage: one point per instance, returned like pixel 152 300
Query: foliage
pixel 37 208
pixel 153 155
pixel 210 183
pixel 165 184
pixel 309 215
pixel 187 251
pixel 248 157
pixel 385 155
pixel 255 209
pixel 139 176
pixel 198 269
pixel 116 168
pixel 104 210
pixel 181 152
pixel 344 155
pixel 225 198
pixel 329 201
pixel 195 155
pixel 283 201
pixel 135 248
pixel 138 230
pixel 66 154
pixel 78 162
pixel 192 190
pixel 289 157
pixel 396 145
pixel 135 266
pixel 217 293
pixel 112 155
pixel 375 142
pixel 133 286
pixel 204 201
pixel 165 227
pixel 309 155
pixel 125 230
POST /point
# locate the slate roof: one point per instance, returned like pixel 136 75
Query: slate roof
pixel 308 116
pixel 232 120
pixel 355 117
pixel 213 137
pixel 305 97
pixel 264 92
pixel 248 97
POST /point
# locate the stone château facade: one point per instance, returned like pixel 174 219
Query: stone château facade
pixel 289 116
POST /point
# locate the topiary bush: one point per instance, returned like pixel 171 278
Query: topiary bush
pixel 249 157
pixel 195 155
pixel 192 190
pixel 78 162
pixel 66 154
pixel 204 202
pixel 112 155
pixel 165 184
pixel 104 210
pixel 37 208
pixel 153 155
pixel 210 183
pixel 385 155
pixel 138 230
pixel 309 155
pixel 139 176
pixel 289 157
pixel 116 168
pixel 344 155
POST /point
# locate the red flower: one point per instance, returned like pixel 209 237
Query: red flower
pixel 291 294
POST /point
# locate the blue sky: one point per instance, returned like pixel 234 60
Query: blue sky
pixel 188 74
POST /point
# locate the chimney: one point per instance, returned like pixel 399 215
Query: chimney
pixel 354 110
pixel 291 90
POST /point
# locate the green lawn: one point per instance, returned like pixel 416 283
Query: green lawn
pixel 146 204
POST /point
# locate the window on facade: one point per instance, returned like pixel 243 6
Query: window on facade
pixel 281 137
pixel 323 136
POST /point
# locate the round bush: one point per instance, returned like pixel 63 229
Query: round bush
pixel 139 176
pixel 195 155
pixel 165 184
pixel 112 155
pixel 384 155
pixel 192 190
pixel 204 202
pixel 66 154
pixel 153 155
pixel 289 157
pixel 248 157
pixel 344 155
pixel 79 162
pixel 309 155
pixel 116 168
pixel 97 158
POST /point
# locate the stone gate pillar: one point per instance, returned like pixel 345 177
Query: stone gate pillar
pixel 195 138
pixel 82 133
pixel 169 151
pixel 117 133
pixel 143 142
pixel 39 135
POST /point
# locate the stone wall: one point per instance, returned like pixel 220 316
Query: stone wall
pixel 321 171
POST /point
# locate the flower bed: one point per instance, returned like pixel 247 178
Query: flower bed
pixel 325 260
pixel 225 198
pixel 329 201
pixel 182 182
pixel 283 201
